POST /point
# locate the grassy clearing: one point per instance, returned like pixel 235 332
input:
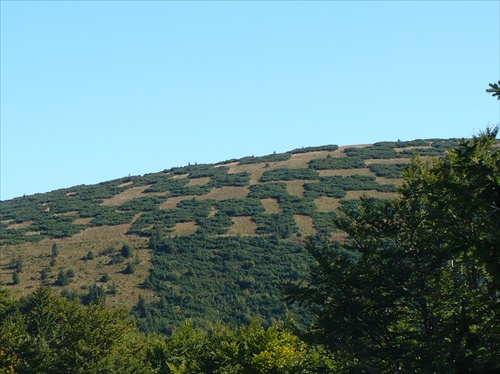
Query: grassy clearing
pixel 172 202
pixel 199 181
pixel 271 206
pixel 126 195
pixel 376 194
pixel 227 192
pixel 255 170
pixel 300 160
pixel 185 228
pixel 396 181
pixel 387 161
pixel 296 187
pixel 327 204
pixel 305 225
pixel 72 254
pixel 243 226
pixel 17 226
pixel 345 172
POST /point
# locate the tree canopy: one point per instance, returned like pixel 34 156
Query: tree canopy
pixel 415 286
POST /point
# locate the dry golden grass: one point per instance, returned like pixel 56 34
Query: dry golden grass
pixel 226 193
pixel 305 224
pixel 296 187
pixel 180 176
pixel 387 161
pixel 243 226
pixel 271 205
pixel 129 194
pixel 199 181
pixel 126 184
pixel 17 226
pixel 299 160
pixel 172 202
pixel 344 172
pixel 255 170
pixel 376 194
pixel 185 228
pixel 395 181
pixel 327 204
pixel 83 221
pixel 72 252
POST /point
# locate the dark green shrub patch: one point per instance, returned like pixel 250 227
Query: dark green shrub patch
pixel 234 179
pixel 167 183
pixel 323 188
pixel 272 190
pixel 109 216
pixel 336 163
pixel 330 148
pixel 240 207
pixel 323 222
pixel 387 170
pixel 289 175
pixel 297 205
pixel 281 225
pixel 216 225
pixel 269 158
pixel 374 151
pixel 142 204
pixel 196 208
pixel 228 279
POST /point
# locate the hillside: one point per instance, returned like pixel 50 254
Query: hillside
pixel 201 241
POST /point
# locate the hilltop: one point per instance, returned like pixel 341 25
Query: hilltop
pixel 207 242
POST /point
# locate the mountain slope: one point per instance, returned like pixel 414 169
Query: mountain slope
pixel 201 241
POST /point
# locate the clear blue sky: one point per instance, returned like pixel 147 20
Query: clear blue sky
pixel 93 91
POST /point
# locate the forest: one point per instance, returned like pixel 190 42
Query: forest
pixel 413 287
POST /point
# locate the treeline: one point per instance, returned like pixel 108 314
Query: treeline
pixel 46 333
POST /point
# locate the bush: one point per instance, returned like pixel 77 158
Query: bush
pixel 126 251
pixel 130 269
pixel 388 170
pixel 336 163
pixel 289 175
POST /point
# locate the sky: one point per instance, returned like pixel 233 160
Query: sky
pixel 99 90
